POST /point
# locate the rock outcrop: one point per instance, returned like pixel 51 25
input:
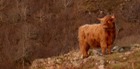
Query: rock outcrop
pixel 73 60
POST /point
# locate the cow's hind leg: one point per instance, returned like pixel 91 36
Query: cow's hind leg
pixel 109 49
pixel 84 49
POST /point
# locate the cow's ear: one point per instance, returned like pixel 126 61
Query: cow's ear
pixel 100 19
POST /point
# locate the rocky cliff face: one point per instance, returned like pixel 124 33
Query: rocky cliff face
pixel 31 29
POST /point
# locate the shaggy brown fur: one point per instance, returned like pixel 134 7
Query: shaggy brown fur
pixel 97 35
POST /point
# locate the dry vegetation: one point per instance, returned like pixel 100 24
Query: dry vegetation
pixel 31 29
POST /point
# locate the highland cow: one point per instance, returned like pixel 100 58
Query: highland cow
pixel 97 35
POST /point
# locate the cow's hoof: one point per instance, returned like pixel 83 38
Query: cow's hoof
pixel 83 57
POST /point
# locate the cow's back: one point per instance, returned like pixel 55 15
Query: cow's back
pixel 90 34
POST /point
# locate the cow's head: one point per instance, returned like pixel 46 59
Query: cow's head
pixel 108 20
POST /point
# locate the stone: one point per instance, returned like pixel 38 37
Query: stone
pixel 59 61
pixel 121 49
pixel 113 62
pixel 115 49
pixel 127 53
pixel 102 62
pixel 124 58
pixel 101 67
pixel 76 64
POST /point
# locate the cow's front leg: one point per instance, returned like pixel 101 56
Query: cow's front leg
pixel 103 47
